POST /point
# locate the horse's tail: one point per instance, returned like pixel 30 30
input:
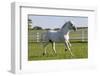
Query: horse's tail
pixel 42 39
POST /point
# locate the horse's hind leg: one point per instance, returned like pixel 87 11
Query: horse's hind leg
pixel 45 48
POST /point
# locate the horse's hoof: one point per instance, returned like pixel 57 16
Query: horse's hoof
pixel 65 49
pixel 43 54
pixel 55 54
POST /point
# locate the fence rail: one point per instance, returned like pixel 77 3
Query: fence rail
pixel 36 35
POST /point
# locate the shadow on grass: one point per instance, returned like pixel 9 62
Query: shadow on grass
pixel 72 41
pixel 79 41
pixel 51 57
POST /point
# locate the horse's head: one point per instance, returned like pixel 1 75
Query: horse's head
pixel 71 26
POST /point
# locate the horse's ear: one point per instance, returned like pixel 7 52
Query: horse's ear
pixel 69 21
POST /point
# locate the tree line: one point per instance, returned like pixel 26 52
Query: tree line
pixel 37 27
pixel 40 28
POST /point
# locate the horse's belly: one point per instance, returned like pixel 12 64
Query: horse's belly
pixel 53 36
pixel 56 37
pixel 61 38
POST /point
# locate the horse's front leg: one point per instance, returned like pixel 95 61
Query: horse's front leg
pixel 69 43
pixel 68 47
pixel 53 47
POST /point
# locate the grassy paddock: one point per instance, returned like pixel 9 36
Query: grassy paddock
pixel 79 49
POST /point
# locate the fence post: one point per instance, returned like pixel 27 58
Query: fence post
pixel 37 36
pixel 82 34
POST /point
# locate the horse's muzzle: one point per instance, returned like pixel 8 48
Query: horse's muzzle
pixel 74 28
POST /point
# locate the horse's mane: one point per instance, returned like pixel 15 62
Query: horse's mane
pixel 65 24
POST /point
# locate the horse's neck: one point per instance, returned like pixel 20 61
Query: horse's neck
pixel 65 31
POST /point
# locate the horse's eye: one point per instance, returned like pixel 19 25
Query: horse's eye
pixel 71 24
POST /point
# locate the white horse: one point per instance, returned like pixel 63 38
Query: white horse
pixel 58 36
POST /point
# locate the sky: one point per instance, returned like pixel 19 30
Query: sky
pixel 57 21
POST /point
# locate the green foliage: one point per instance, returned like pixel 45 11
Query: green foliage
pixel 37 28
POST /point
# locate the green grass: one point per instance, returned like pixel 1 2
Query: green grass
pixel 35 51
